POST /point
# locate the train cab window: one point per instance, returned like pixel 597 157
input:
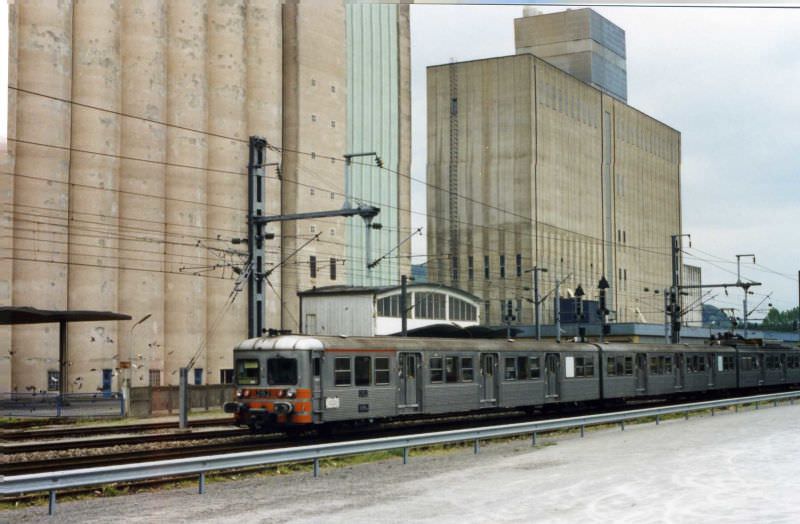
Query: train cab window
pixel 381 371
pixel 451 369
pixel 584 367
pixel 247 371
pixel 341 371
pixel 317 364
pixel 436 370
pixel 363 370
pixel 523 368
pixel 282 371
pixel 467 371
pixel 510 369
pixel 534 368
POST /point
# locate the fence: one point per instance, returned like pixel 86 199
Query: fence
pixel 153 400
pixel 201 465
pixel 68 405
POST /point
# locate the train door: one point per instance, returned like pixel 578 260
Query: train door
pixel 641 372
pixel 316 384
pixel 409 394
pixel 552 364
pixel 489 380
pixel 783 367
pixel 678 370
pixel 762 369
pixel 711 369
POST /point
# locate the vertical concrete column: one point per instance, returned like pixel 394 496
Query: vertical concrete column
pixel 7 222
pixel 141 198
pixel 185 187
pixel 44 58
pixel 94 180
pixel 264 107
pixel 227 193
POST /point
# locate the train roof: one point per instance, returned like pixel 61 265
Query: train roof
pixel 323 343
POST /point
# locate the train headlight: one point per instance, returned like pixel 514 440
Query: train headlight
pixel 239 393
pixel 291 393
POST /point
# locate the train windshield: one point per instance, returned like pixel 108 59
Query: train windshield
pixel 282 371
pixel 247 371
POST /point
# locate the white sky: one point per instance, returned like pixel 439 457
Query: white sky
pixel 727 79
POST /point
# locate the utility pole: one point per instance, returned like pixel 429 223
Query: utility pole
pixel 604 327
pixel 745 286
pixel 537 301
pixel 579 310
pixel 666 315
pixel 403 306
pixel 674 308
pixel 557 309
pixel 798 303
pixel 256 222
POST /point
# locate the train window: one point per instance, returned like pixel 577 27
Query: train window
pixel 773 362
pixel 747 363
pixel 727 364
pixel 534 370
pixel 660 365
pixel 668 365
pixel 381 371
pixel 523 368
pixel 654 366
pixel 451 369
pixel 282 371
pixel 363 371
pixel 436 370
pixel 629 366
pixel 793 361
pixel 467 373
pixel 510 368
pixel 247 371
pixel 611 366
pixel 584 367
pixel 317 366
pixel 341 371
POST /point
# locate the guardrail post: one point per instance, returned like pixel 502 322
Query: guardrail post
pixel 687 415
pixel 51 505
pixel 791 401
pixel 658 419
pixel 58 405
pixel 405 455
pixel 622 425
pixel 316 467
pixel 712 412
pixel 582 431
pixel 122 412
pixel 477 446
pixel 201 488
pixel 736 408
pixel 775 403
pixel 533 439
pixel 756 405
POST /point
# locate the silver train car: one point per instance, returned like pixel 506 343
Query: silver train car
pixel 294 382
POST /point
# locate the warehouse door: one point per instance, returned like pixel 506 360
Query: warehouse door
pixel 489 380
pixel 552 363
pixel 409 388
pixel 641 372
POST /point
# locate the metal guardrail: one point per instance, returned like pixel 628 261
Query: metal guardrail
pixel 56 480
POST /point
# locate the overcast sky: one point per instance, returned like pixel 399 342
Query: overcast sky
pixel 727 79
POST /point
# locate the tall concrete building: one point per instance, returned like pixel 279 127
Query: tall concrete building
pixel 579 42
pixel 533 167
pixel 125 179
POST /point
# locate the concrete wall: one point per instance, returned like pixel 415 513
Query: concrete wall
pixel 551 169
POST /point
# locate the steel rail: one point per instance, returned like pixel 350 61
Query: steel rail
pixel 53 481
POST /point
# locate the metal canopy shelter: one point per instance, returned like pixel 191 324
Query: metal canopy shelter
pixel 30 315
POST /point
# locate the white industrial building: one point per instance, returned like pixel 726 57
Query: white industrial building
pixel 369 311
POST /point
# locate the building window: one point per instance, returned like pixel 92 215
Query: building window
pixel 313 118
pixel 333 232
pixel 333 195
pixel 313 82
pixel 155 377
pixel 225 376
pixel 436 370
pixel 312 228
pixel 312 266
pixel 311 191
pixel 389 306
pixel 487 306
pixel 502 266
pixel 333 123
pixel 341 371
pixel 519 310
pixel 454 268
pixel 461 310
pixel 454 106
pixel 53 380
pixel 429 305
pixel 313 155
pixel 486 267
pixel 198 376
pixel 333 269
pixel 470 268
pixel 333 89
pixel 519 265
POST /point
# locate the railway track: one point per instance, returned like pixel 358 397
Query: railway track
pixel 86 431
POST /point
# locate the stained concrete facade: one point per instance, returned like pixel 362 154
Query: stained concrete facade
pixel 532 167
pixel 125 179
